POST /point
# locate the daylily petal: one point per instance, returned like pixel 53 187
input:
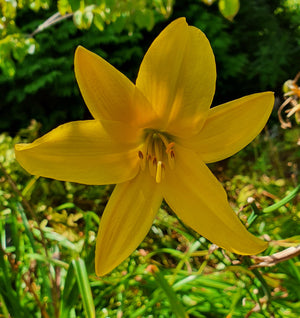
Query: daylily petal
pixel 197 197
pixel 178 75
pixel 82 152
pixel 108 93
pixel 231 126
pixel 126 221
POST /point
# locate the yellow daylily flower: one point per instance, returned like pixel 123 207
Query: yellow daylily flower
pixel 153 139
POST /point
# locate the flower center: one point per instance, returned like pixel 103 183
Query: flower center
pixel 156 152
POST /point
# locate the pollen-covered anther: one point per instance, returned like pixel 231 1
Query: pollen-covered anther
pixel 169 147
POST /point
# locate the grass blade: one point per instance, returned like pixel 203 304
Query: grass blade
pixel 282 202
pixel 176 305
pixel 70 293
pixel 84 287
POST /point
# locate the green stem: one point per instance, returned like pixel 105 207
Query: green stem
pixel 282 202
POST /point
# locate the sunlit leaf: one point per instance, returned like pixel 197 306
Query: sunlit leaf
pixel 98 21
pixel 63 7
pixel 145 19
pixel 8 66
pixel 229 8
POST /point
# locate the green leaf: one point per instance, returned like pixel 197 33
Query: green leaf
pixel 67 205
pixel 27 227
pixel 87 18
pixel 9 8
pixel 63 241
pixel 145 19
pixel 98 21
pixel 77 18
pixel 8 66
pixel 229 8
pixel 83 19
pixel 282 202
pixel 70 293
pixel 45 260
pixel 75 4
pixel 84 287
pixel 63 7
pixel 176 305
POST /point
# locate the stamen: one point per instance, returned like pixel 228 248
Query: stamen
pixel 171 159
pixel 158 172
pixel 163 167
pixel 148 144
pixel 156 150
pixel 142 160
pixel 152 167
pixel 163 139
pixel 170 147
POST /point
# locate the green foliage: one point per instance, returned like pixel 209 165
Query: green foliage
pixel 15 44
pixel 45 81
pixel 229 8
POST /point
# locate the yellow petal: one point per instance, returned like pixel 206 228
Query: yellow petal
pixel 197 197
pixel 178 75
pixel 126 221
pixel 82 152
pixel 231 126
pixel 108 93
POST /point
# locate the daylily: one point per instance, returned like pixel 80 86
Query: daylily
pixel 153 140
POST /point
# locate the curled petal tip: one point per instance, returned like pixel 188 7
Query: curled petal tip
pixel 256 247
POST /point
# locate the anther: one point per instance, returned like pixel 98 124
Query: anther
pixel 152 167
pixel 170 147
pixel 142 160
pixel 171 159
pixel 156 150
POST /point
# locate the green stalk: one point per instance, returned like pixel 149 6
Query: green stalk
pixel 282 202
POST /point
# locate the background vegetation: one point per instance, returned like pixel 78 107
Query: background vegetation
pixel 48 228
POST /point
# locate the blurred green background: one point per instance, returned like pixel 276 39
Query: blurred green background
pixel 48 228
